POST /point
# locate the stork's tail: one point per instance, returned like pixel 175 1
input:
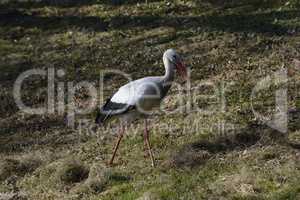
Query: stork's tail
pixel 101 118
pixel 111 109
pixel 98 119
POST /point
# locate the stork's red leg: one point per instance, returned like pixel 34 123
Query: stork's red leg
pixel 146 140
pixel 121 133
pixel 146 153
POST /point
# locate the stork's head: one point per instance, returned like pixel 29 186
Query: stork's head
pixel 174 58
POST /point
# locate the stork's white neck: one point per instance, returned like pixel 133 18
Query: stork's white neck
pixel 170 70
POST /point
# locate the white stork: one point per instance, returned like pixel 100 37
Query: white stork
pixel 138 97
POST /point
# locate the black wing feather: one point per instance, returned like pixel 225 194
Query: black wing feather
pixel 110 109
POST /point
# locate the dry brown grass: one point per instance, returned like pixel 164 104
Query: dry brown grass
pixel 18 167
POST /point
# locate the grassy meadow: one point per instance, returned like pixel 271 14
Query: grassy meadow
pixel 219 150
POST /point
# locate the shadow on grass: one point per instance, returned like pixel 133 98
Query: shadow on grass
pixel 265 23
pixel 43 3
pixel 11 71
pixel 197 153
pixel 27 4
pixel 250 23
pixel 256 4
pixel 14 18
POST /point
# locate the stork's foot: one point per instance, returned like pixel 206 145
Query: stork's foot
pixel 146 155
pixel 146 152
pixel 152 160
pixel 109 164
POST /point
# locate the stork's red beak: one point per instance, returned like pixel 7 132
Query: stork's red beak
pixel 181 68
